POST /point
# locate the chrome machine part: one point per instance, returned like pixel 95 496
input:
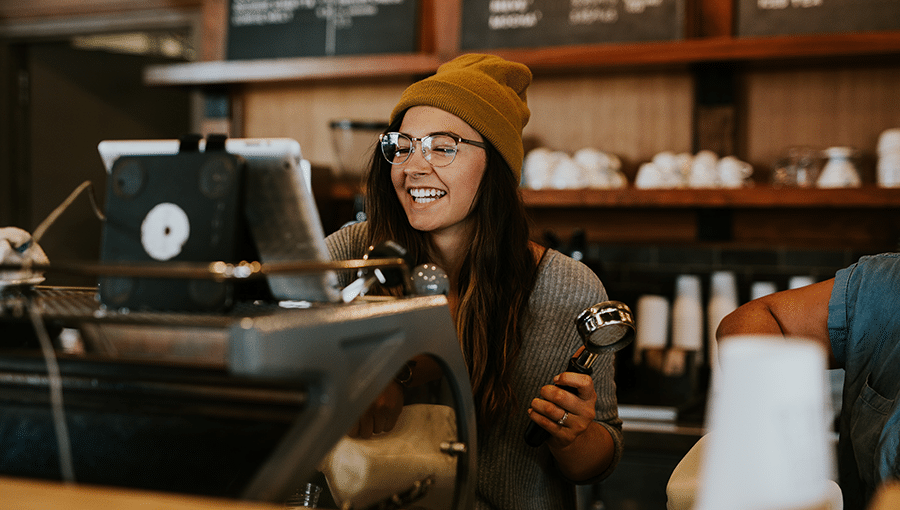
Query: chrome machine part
pixel 606 326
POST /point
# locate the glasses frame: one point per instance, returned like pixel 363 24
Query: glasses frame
pixel 427 156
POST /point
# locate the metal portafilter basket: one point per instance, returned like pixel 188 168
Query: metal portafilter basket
pixel 604 328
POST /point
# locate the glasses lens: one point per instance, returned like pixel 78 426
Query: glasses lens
pixel 396 147
pixel 441 150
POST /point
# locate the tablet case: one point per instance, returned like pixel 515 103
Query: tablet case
pixel 185 207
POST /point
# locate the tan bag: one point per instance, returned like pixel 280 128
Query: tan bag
pixel 365 471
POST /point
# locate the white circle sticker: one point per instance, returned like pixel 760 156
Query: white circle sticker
pixel 164 231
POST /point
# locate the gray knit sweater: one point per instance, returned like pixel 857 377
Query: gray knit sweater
pixel 512 475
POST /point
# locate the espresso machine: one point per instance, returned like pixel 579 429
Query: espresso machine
pixel 243 386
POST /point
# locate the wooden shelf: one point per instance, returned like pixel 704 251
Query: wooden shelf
pixel 705 50
pixel 545 59
pixel 756 197
pixel 291 69
pixel 759 197
pixel 861 218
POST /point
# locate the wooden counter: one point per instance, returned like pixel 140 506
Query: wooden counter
pixel 27 494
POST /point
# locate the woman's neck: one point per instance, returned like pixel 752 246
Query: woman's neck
pixel 451 246
pixel 451 249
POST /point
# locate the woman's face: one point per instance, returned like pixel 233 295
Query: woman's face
pixel 438 200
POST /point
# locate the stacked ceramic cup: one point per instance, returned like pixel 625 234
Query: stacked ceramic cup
pixel 889 159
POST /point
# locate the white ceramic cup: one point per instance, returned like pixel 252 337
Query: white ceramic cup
pixel 537 169
pixel 889 141
pixel 768 443
pixel 648 177
pixel 566 173
pixel 732 172
pixel 703 173
pixel 840 170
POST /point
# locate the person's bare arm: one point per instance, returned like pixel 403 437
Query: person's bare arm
pixel 799 312
pixel 382 415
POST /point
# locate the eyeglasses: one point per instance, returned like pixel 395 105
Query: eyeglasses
pixel 438 149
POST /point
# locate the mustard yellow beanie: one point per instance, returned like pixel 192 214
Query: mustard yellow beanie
pixel 487 92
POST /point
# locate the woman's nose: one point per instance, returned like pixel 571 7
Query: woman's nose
pixel 417 164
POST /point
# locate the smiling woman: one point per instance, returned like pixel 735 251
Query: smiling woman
pixel 443 183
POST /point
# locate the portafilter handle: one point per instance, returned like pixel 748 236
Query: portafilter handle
pixel 605 327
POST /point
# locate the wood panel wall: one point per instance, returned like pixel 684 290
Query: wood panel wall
pixel 632 115
pixel 637 114
pixel 304 111
pixel 820 107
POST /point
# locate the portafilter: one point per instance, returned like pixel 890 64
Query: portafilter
pixel 604 328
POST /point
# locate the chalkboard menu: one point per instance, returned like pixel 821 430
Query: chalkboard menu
pixel 529 23
pixel 315 28
pixel 788 17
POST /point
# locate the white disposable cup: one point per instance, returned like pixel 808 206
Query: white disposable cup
pixel 722 301
pixel 768 443
pixel 760 289
pixel 652 324
pixel 800 281
pixel 687 314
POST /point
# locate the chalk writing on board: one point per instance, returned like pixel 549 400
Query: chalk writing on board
pixel 512 14
pixel 506 14
pixel 291 27
pixel 268 12
pixel 784 4
pixel 499 23
pixel 794 17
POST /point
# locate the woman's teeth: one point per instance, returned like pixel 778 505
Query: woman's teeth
pixel 424 196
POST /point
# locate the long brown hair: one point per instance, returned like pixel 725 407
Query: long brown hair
pixel 496 278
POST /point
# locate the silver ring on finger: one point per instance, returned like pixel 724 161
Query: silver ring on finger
pixel 562 421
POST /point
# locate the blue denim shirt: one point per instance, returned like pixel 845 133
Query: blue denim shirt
pixel 864 326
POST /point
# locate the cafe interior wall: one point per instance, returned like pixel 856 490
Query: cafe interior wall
pixel 634 113
pixel 70 79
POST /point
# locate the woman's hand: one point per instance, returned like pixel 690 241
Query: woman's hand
pixel 582 447
pixel 382 415
pixel 565 415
